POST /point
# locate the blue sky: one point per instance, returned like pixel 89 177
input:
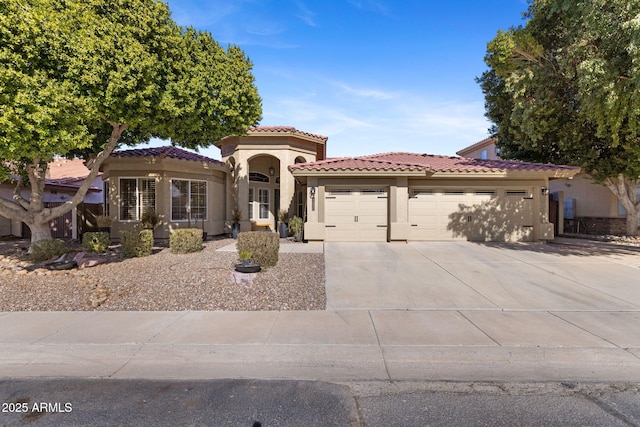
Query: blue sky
pixel 372 75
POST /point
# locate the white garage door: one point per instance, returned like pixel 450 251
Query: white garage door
pixel 476 215
pixel 356 215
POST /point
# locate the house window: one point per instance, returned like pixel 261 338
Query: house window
pixel 300 204
pixel 483 155
pixel 251 199
pixel 105 198
pixel 258 177
pixel 137 196
pixel 188 200
pixel 263 203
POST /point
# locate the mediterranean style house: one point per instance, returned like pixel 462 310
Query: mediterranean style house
pixel 383 197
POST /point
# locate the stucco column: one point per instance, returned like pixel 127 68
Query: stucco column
pixel 242 188
pixel 399 209
pixel 287 186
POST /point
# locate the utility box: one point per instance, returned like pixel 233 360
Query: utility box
pixel 569 208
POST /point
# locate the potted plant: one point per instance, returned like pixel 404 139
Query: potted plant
pixel 295 227
pixel 150 219
pixel 236 216
pixel 246 265
pixel 104 223
pixel 283 217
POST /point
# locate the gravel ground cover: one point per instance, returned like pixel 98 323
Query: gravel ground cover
pixel 163 281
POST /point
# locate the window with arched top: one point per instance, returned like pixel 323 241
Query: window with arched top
pixel 258 177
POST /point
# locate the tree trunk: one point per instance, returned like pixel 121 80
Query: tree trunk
pixel 32 212
pixel 625 190
pixel 39 231
pixel 632 222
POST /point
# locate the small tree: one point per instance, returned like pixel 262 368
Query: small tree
pixel 82 76
pixel 565 88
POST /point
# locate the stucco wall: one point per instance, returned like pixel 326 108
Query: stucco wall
pixel 163 171
pixel 592 200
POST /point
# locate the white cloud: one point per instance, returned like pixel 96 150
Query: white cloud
pixel 305 14
pixel 362 92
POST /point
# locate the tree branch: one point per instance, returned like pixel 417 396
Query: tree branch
pixel 94 168
pixel 17 194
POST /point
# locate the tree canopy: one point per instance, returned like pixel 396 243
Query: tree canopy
pixel 565 88
pixel 83 76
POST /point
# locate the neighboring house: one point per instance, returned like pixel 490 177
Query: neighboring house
pixel 385 197
pixel 583 205
pixel 484 150
pixel 64 177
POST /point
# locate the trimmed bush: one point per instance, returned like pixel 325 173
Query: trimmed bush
pixel 264 245
pixel 93 241
pixel 136 243
pixel 43 250
pixel 186 240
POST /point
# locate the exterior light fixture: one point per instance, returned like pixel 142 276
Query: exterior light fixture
pixel 312 191
pixel 272 171
pixel 544 190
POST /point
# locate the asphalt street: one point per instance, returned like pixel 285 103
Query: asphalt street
pixel 99 402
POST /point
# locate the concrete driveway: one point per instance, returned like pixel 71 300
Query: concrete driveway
pixel 479 276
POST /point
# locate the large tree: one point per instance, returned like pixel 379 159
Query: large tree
pixel 80 77
pixel 565 88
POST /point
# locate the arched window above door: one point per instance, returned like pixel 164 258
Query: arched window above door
pixel 258 177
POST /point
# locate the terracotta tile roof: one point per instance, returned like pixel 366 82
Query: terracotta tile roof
pixel 426 162
pixel 477 145
pixel 61 168
pixel 166 151
pixel 284 129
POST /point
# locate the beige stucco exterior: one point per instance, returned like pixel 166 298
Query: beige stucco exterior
pixel 592 199
pixel 163 170
pixel 270 154
pixel 485 149
pixel 496 213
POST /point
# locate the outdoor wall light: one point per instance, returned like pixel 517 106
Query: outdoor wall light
pixel 312 191
pixel 272 171
pixel 545 190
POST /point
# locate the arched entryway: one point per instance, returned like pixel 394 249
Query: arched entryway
pixel 264 192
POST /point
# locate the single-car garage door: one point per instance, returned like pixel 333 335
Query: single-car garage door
pixel 356 214
pixel 476 215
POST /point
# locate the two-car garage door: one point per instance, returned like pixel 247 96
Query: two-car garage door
pixel 476 215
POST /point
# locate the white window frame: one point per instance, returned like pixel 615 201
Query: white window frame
pixel 261 203
pixel 188 207
pixel 139 208
pixel 251 200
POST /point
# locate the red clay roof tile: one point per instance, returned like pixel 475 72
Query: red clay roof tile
pixel 166 151
pixel 285 129
pixel 427 162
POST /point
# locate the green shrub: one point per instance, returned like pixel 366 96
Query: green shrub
pixel 295 226
pixel 96 241
pixel 186 240
pixel 264 245
pixel 43 250
pixel 136 243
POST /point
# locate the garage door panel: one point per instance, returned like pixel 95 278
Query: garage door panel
pixel 356 215
pixel 483 215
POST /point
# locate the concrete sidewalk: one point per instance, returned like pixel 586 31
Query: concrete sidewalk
pixel 424 311
pixel 387 345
